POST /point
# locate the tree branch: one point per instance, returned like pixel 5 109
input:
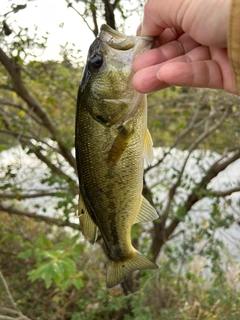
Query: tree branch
pixel 109 14
pixel 50 165
pixel 14 105
pixel 207 131
pixel 15 72
pixel 35 216
pixel 199 191
pixel 5 87
pixel 95 31
pixel 94 17
pixel 26 141
pixel 13 304
pixel 8 310
pixel 181 135
pixel 29 195
pixel 116 2
pixel 225 193
pixel 14 309
pixel 161 232
pixel 40 156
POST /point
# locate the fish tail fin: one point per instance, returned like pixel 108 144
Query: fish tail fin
pixel 118 270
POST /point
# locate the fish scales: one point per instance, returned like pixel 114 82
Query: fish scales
pixel 111 135
pixel 109 179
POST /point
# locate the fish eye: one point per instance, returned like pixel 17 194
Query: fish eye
pixel 96 61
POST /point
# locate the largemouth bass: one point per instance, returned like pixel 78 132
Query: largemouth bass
pixel 111 142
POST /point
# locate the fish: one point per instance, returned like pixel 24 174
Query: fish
pixel 111 142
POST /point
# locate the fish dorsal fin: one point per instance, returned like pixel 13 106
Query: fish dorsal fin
pixel 88 227
pixel 119 144
pixel 146 212
pixel 148 148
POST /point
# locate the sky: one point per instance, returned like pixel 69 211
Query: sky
pixel 63 24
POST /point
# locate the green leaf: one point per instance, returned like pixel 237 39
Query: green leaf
pixel 45 272
pixel 43 241
pixel 67 266
pixel 78 283
pixel 25 254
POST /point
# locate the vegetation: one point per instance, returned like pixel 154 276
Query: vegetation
pixel 47 270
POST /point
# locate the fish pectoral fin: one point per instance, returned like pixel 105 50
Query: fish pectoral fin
pixel 118 270
pixel 119 144
pixel 146 212
pixel 88 227
pixel 148 148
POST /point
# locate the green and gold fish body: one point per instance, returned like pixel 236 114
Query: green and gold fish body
pixel 111 141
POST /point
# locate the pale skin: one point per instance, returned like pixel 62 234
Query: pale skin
pixel 190 48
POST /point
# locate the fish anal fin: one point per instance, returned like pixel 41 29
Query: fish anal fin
pixel 88 227
pixel 148 148
pixel 118 270
pixel 119 144
pixel 146 212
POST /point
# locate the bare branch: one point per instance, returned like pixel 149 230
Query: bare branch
pixel 8 103
pixel 35 216
pixel 196 194
pixel 116 2
pixel 94 17
pixel 95 31
pixel 7 318
pixel 12 303
pixel 5 120
pixel 29 195
pixel 15 134
pixel 109 14
pixel 193 146
pixel 37 151
pixel 50 165
pixel 24 139
pixel 162 233
pixel 208 131
pixel 8 310
pixel 182 134
pixel 225 193
pixel 5 87
pixel 18 106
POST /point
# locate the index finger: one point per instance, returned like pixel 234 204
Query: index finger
pixel 152 24
pixel 149 28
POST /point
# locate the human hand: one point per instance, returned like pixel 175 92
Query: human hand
pixel 190 47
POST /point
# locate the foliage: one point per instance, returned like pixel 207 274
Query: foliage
pixel 180 289
pixel 194 184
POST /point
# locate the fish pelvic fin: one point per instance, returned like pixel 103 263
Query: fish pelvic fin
pixel 119 270
pixel 146 212
pixel 148 148
pixel 88 227
pixel 119 144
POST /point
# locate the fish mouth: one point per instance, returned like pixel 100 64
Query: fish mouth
pixel 119 41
